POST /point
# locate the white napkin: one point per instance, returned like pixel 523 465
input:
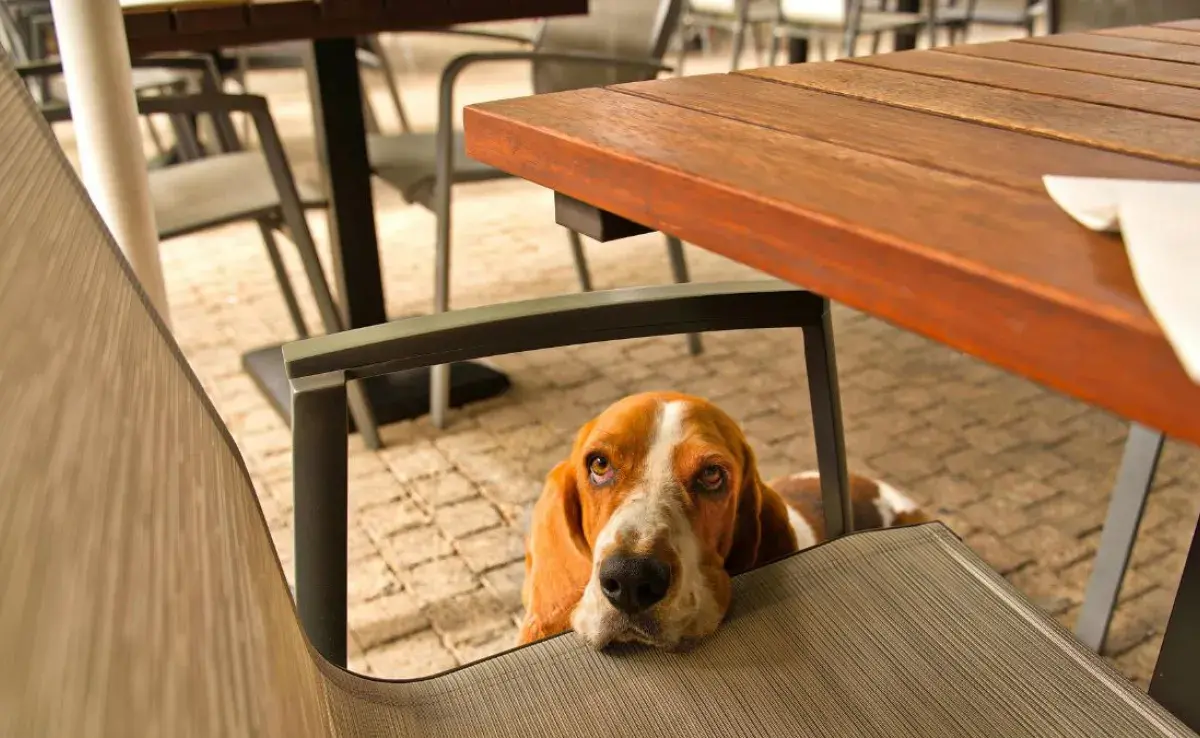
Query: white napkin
pixel 1160 223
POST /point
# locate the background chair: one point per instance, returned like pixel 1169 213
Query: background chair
pixel 1022 14
pixel 142 593
pixel 295 55
pixel 618 41
pixel 233 185
pixel 735 16
pixel 814 19
pixel 1067 16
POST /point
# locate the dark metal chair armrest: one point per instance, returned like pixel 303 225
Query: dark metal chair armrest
pixel 318 369
pixel 492 330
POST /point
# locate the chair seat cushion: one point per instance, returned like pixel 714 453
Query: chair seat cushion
pixel 217 189
pixel 900 632
pixel 408 162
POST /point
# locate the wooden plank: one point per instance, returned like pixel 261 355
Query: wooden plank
pixel 284 13
pixel 1149 97
pixel 1127 131
pixel 216 18
pixel 1121 46
pixel 356 9
pixel 269 21
pixel 1047 298
pixel 988 154
pixel 1153 33
pixel 1054 57
pixel 147 25
pixel 1183 25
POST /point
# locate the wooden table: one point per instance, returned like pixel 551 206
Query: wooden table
pixel 206 25
pixel 909 186
pixel 173 25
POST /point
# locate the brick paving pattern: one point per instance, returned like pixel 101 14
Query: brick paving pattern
pixel 1022 473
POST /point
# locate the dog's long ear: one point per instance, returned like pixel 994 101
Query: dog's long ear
pixel 761 531
pixel 558 559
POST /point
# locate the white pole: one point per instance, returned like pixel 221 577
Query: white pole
pixel 95 57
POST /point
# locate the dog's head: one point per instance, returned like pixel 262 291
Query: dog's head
pixel 638 531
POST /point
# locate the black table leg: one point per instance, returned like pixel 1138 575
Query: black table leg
pixel 906 40
pixel 341 135
pixel 1176 681
pixel 797 50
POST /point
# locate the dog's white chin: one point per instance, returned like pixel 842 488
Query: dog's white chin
pixel 602 626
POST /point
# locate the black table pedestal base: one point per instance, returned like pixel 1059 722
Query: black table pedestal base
pixel 394 397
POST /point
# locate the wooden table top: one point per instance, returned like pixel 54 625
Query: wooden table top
pixel 908 186
pixel 179 25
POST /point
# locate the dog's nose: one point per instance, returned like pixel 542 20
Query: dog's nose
pixel 634 583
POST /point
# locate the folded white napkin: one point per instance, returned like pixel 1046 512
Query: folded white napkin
pixel 1160 224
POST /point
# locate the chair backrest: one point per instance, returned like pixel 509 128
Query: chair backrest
pixel 141 594
pixel 814 11
pixel 636 29
pixel 1083 15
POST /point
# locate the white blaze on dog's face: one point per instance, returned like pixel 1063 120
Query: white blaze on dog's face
pixel 660 477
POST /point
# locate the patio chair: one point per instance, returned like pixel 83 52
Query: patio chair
pixel 814 19
pixel 204 192
pixel 735 16
pixel 618 41
pixel 142 594
pixel 25 28
pixel 1022 14
pixel 295 54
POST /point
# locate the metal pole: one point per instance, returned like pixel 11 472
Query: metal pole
pixel 95 58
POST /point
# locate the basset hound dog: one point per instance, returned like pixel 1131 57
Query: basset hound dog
pixel 637 533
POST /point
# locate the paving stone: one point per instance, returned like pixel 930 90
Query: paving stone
pixel 386 619
pixel 464 518
pixel 385 520
pixel 502 640
pixel 491 548
pixel 412 462
pixel 998 554
pixel 418 655
pixel 444 489
pixel 378 489
pixel 369 579
pixel 1051 547
pixel 999 515
pixel 506 583
pixel 1045 589
pixel 408 548
pixel 1140 660
pixel 469 618
pixel 442 578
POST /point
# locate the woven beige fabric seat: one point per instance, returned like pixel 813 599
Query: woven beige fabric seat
pixel 142 595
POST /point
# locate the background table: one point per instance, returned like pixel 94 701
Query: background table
pixel 909 186
pixel 206 25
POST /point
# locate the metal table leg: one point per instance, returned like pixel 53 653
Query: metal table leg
pixel 1142 450
pixel 1176 680
pixel 340 129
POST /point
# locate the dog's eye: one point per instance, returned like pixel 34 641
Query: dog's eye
pixel 599 469
pixel 711 478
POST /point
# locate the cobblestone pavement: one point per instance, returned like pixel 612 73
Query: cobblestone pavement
pixel 1021 473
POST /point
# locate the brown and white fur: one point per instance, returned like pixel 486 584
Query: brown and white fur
pixel 637 533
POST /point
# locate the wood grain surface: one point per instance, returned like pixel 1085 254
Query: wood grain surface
pixel 1131 94
pixel 907 186
pixel 1106 65
pixel 1120 46
pixel 1116 129
pixel 177 25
